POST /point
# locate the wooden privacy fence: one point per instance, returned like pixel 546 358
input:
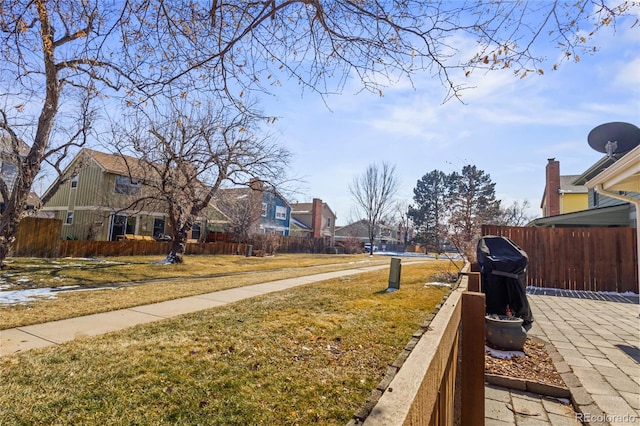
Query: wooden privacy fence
pixel 78 248
pixel 595 259
pixel 37 237
pixel 442 380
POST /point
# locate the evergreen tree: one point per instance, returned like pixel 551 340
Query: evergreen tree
pixel 429 211
pixel 472 203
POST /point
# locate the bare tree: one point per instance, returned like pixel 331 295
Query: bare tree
pixel 243 207
pixel 58 55
pixel 402 210
pixel 373 192
pixel 190 150
pixel 516 214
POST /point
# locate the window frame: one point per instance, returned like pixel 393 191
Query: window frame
pixel 281 213
pixel 126 185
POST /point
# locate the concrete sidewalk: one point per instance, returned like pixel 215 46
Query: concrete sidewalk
pixel 21 339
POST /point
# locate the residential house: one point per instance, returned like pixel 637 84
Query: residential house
pixel 602 208
pixel 314 220
pixel 95 199
pixel 621 180
pixel 255 209
pixel 561 195
pixel 9 158
pixel 359 231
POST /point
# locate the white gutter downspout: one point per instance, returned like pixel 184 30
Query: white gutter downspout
pixel 599 188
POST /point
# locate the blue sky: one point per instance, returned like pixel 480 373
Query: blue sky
pixel 507 127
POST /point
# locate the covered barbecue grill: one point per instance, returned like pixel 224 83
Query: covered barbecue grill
pixel 503 267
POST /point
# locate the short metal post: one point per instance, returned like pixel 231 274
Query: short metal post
pixel 394 274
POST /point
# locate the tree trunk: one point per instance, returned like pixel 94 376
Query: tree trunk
pixel 178 246
pixel 30 166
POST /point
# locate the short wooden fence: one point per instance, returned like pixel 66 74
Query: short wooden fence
pixel 595 259
pixel 78 248
pixel 442 380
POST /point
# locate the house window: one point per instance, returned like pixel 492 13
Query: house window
pixel 281 212
pixel 9 172
pixel 328 222
pixel 195 231
pixel 126 185
pixel 264 209
pixel 158 227
pixel 74 181
pixel 131 225
pixel 595 199
pixel 69 219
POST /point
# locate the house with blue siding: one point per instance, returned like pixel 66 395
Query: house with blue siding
pixel 275 215
pixel 257 208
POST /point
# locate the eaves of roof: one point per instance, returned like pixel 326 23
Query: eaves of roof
pixel 617 215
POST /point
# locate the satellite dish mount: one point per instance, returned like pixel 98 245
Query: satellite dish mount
pixel 614 139
pixel 611 147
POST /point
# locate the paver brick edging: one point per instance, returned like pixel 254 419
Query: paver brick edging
pixel 580 399
pixel 528 386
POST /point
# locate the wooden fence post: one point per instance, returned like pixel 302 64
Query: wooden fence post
pixel 473 311
pixel 474 282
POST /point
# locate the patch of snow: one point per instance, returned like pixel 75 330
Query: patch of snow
pixel 496 353
pixel 611 293
pixel 437 284
pixel 23 280
pixel 18 297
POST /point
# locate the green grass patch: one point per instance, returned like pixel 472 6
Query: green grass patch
pixel 308 355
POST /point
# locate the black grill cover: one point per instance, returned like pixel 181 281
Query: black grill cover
pixel 503 269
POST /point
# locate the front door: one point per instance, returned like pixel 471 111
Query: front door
pixel 118 226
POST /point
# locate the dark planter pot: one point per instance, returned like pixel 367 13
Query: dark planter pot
pixel 505 332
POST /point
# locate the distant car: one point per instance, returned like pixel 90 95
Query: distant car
pixel 367 248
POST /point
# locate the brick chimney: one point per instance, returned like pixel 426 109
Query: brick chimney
pixel 316 218
pixel 552 188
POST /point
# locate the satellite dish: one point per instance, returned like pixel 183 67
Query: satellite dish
pixel 614 138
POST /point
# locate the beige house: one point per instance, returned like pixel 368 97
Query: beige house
pixel 96 199
pixel 314 220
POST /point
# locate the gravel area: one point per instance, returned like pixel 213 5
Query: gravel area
pixel 536 366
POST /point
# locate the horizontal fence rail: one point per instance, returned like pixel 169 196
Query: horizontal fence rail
pixel 593 259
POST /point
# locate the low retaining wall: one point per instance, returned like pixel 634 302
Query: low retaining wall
pixel 438 379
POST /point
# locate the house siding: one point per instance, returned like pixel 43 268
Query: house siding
pixel 570 203
pixel 269 224
pixel 602 200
